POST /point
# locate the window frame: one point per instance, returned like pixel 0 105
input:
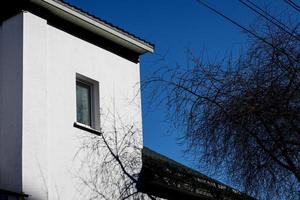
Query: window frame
pixel 94 102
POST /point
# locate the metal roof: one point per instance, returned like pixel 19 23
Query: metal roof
pixel 160 176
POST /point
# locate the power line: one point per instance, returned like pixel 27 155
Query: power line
pixel 245 29
pixel 234 22
pixel 255 8
pixel 269 15
pixel 292 4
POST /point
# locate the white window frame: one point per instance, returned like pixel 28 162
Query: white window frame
pixel 94 100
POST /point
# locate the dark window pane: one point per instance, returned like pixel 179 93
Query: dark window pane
pixel 83 99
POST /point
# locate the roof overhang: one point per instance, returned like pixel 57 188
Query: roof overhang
pixel 94 25
pixel 165 178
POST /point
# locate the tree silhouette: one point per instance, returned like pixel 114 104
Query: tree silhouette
pixel 112 161
pixel 242 116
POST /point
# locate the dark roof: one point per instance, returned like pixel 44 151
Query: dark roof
pixel 166 178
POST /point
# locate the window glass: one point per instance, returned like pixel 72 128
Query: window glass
pixel 83 101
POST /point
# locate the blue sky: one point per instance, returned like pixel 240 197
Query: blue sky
pixel 175 26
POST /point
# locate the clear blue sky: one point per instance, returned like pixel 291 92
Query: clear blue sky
pixel 175 26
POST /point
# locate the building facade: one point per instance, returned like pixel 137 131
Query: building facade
pixel 62 74
pixel 68 78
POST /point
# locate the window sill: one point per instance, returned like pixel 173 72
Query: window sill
pixel 86 128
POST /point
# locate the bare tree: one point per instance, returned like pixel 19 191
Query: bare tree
pixel 242 116
pixel 112 160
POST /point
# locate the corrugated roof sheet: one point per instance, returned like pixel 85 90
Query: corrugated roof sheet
pixel 166 178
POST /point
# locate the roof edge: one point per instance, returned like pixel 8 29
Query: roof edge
pixel 148 153
pixel 95 25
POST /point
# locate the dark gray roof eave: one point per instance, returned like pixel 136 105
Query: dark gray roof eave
pixel 95 25
pixel 154 163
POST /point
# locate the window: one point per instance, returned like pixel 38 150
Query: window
pixel 87 104
pixel 84 102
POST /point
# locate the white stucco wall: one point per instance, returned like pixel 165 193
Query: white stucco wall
pixel 66 56
pixel 38 143
pixel 51 57
pixel 35 143
pixel 11 42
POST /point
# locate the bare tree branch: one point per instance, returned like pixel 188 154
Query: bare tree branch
pixel 241 116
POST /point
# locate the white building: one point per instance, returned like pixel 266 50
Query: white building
pixel 59 66
pixel 68 78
